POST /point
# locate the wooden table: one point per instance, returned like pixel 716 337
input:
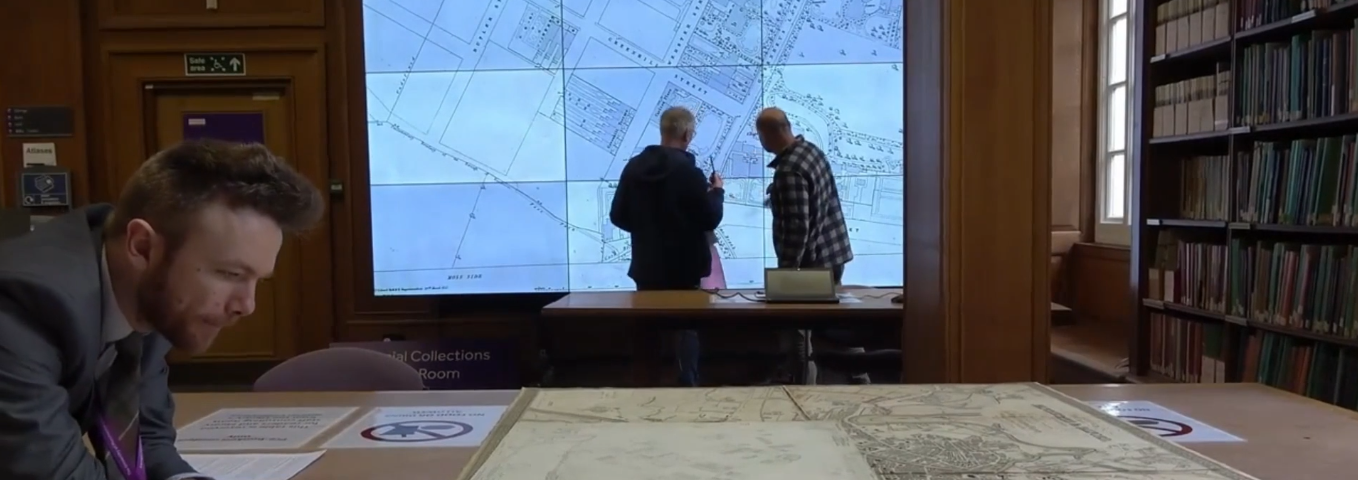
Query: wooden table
pixel 647 314
pixel 1287 437
pixel 726 304
pixel 356 464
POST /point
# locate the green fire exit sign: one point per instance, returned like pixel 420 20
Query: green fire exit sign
pixel 214 64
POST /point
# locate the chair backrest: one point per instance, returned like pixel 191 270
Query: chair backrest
pixel 340 369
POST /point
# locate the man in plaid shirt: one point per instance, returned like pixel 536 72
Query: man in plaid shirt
pixel 808 224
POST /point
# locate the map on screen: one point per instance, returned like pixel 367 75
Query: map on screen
pixel 497 130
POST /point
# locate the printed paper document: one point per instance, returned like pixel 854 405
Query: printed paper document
pixel 252 466
pixel 259 428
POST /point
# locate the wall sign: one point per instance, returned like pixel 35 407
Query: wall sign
pixel 214 64
pixel 45 186
pixel 455 363
pixel 28 122
pixel 40 154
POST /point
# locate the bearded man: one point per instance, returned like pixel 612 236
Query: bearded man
pixel 92 301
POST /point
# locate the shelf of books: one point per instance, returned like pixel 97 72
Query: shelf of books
pixel 1245 171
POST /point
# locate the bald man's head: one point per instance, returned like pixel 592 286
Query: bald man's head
pixel 775 131
pixel 772 118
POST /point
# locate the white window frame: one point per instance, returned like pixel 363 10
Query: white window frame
pixel 1112 230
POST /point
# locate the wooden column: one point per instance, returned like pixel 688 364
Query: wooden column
pixel 978 190
pixel 43 67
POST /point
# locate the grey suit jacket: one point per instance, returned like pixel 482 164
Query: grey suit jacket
pixel 51 319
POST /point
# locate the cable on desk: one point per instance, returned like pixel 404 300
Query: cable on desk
pixel 735 294
pixel 727 296
pixel 880 296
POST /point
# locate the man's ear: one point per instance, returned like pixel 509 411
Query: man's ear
pixel 142 243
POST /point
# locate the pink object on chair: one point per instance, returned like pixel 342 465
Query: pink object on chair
pixel 716 279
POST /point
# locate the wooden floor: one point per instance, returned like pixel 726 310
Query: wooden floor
pixel 1087 353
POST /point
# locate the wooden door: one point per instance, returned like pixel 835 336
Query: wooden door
pixel 261 115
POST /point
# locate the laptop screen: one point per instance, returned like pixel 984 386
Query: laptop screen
pixel 814 283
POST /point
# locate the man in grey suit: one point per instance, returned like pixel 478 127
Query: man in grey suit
pixel 92 301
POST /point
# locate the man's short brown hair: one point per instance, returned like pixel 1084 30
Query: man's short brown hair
pixel 174 185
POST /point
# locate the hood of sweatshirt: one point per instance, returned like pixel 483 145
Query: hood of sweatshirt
pixel 656 163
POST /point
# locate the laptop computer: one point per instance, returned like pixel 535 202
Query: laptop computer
pixel 799 285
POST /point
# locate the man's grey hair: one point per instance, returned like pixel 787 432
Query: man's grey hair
pixel 677 122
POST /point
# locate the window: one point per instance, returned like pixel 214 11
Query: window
pixel 1114 168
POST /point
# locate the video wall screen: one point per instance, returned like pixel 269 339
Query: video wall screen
pixel 498 128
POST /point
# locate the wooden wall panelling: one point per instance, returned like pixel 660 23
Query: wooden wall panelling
pixel 43 66
pixel 201 14
pixel 1067 122
pixel 1095 345
pixel 1098 282
pixel 1089 136
pixel 978 190
pixel 1074 95
pixel 129 60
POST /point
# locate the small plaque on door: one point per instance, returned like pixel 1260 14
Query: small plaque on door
pixel 243 127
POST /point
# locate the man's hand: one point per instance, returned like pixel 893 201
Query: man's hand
pixel 715 181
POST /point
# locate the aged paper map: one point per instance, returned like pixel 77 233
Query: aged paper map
pixel 900 432
pixel 679 405
pixel 1006 431
pixel 654 451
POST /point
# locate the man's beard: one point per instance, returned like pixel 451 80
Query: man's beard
pixel 156 308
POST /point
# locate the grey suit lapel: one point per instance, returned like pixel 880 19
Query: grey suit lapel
pixel 81 233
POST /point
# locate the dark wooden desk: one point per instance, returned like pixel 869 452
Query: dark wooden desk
pixel 646 315
pixel 728 304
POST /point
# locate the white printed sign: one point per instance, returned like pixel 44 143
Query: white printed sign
pixel 259 428
pixel 40 154
pixel 1164 422
pixel 390 427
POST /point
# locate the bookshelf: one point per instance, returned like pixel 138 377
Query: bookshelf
pixel 1244 158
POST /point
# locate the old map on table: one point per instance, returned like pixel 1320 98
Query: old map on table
pixel 639 451
pixel 1007 431
pixel 901 432
pixel 677 405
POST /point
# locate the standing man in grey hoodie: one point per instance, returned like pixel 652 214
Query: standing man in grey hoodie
pixel 670 207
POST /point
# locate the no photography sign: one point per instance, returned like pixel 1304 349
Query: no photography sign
pixel 417 431
pixel 389 427
pixel 1164 423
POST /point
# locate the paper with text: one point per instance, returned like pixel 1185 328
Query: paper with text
pixel 252 466
pixel 259 428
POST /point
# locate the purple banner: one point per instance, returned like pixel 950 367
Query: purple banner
pixel 242 127
pixel 454 363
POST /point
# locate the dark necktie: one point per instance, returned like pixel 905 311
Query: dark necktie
pixel 120 408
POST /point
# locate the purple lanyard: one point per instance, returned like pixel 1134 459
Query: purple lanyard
pixel 129 470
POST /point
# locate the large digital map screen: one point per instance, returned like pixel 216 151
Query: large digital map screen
pixel 497 130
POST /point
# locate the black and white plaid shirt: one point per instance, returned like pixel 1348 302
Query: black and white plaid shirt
pixel 808 225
